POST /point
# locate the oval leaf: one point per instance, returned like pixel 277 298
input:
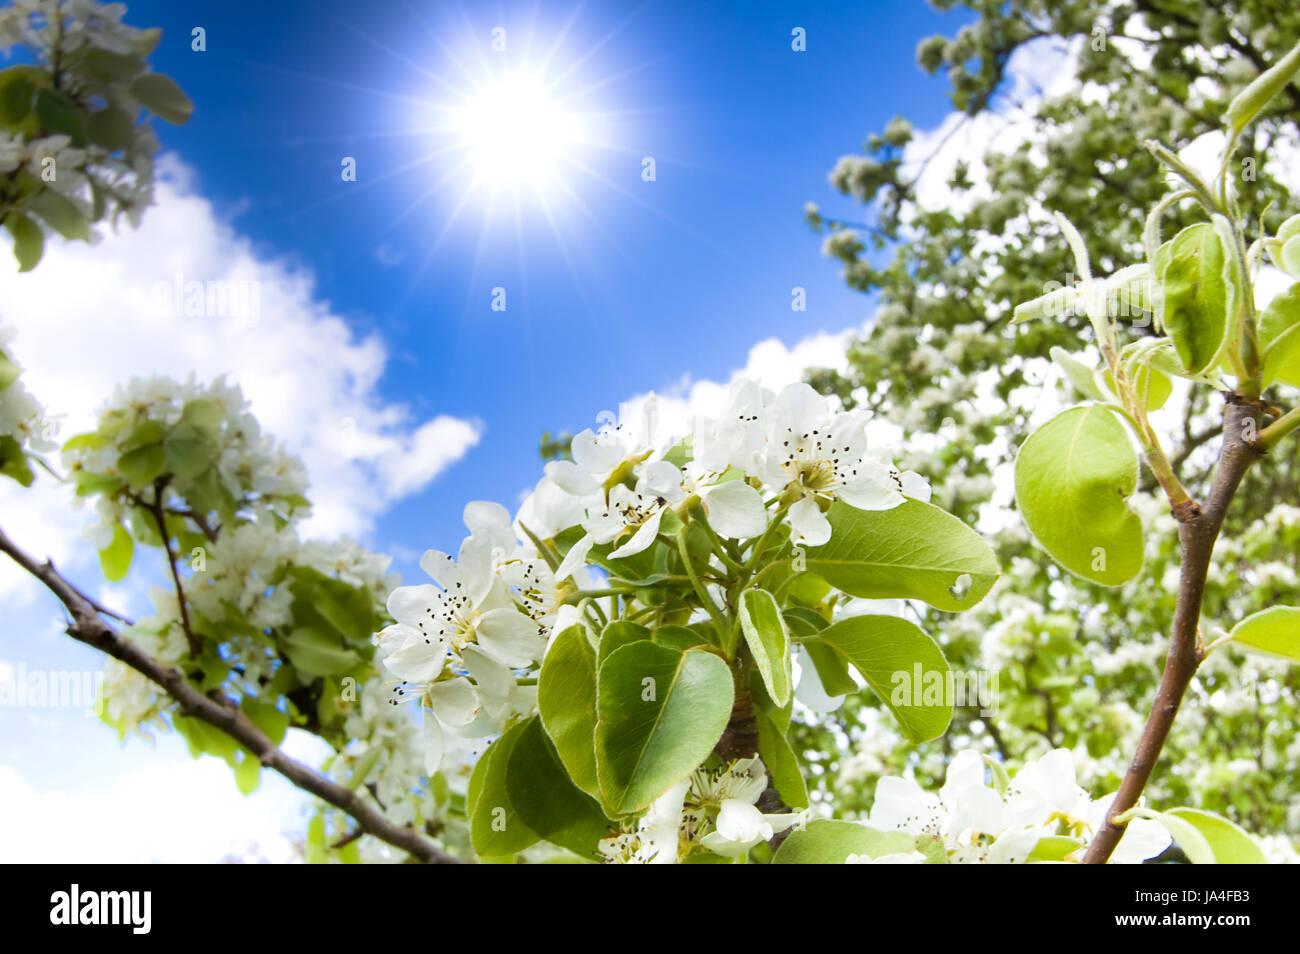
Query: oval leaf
pixel 495 828
pixel 768 641
pixel 1274 631
pixel 543 796
pixel 1073 478
pixel 659 714
pixel 566 703
pixel 903 665
pixel 828 842
pixel 915 550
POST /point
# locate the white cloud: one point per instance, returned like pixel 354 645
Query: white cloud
pixel 90 317
pixel 770 362
pixel 171 812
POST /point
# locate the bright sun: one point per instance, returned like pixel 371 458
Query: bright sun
pixel 515 132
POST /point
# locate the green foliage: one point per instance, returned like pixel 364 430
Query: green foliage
pixel 1073 478
pixel 915 550
pixel 827 842
pixel 660 712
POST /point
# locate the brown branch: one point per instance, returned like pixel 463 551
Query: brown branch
pixel 156 508
pixel 1197 532
pixel 88 627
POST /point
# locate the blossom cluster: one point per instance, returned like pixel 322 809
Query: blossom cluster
pixel 712 810
pixel 207 439
pixel 766 462
pixel 98 60
pixel 974 822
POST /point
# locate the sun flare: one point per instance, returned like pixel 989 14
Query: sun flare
pixel 515 132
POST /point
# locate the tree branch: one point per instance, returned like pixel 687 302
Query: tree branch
pixel 1197 533
pixel 156 508
pixel 88 626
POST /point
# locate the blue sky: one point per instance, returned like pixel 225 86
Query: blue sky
pixel 652 282
pixel 621 287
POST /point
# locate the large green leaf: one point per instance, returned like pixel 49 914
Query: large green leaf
pixel 903 665
pixel 1229 843
pixel 768 641
pixel 915 550
pixel 659 714
pixel 1279 338
pixel 495 828
pixel 548 802
pixel 1073 478
pixel 1196 296
pixel 1275 631
pixel 616 635
pixel 566 702
pixel 828 842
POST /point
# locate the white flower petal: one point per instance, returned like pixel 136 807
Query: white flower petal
pixel 735 510
pixel 509 637
pixel 644 536
pixel 455 701
pixel 809 524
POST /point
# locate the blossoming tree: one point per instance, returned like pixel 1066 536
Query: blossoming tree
pixel 612 672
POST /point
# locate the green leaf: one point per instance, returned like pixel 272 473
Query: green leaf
pixel 161 95
pixel 58 114
pixel 1054 848
pixel 1196 297
pixel 659 714
pixel 143 465
pixel 110 128
pixel 548 802
pixel 832 668
pixel 187 457
pixel 115 559
pixel 16 92
pixel 333 606
pixel 566 703
pixel 13 461
pixel 203 415
pixel 828 842
pixel 1079 374
pixel 29 240
pixel 1073 478
pixel 60 213
pixel 367 762
pixel 1187 835
pixel 1247 104
pixel 315 654
pixel 495 828
pixel 267 717
pixel 915 550
pixel 903 665
pixel 617 635
pixel 248 774
pixel 768 641
pixel 1279 338
pixel 1229 844
pixel 781 761
pixel 9 372
pixel 680 638
pixel 1274 631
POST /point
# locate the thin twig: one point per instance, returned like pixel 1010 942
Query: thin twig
pixel 89 627
pixel 1197 534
